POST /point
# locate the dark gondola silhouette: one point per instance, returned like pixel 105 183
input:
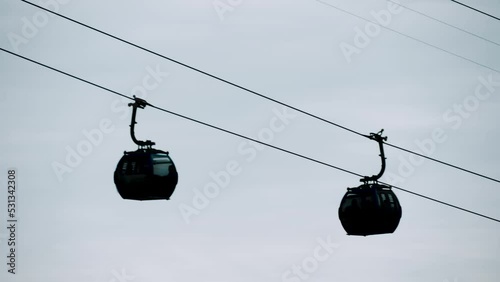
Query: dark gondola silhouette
pixel 147 173
pixel 371 208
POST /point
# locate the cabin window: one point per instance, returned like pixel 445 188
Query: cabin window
pixel 162 169
pixel 351 203
pixel 135 165
pixel 162 165
pixel 387 200
pixel 161 158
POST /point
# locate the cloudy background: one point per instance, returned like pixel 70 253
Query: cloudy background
pixel 273 214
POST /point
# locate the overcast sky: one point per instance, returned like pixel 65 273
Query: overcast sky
pixel 274 216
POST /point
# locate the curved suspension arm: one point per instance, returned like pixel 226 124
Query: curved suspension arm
pixel 380 140
pixel 139 103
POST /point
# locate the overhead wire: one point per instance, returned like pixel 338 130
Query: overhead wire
pixel 249 138
pixel 404 35
pixel 267 97
pixel 445 23
pixel 479 11
pixel 444 163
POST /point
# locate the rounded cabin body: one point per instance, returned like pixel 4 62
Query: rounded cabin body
pixel 145 174
pixel 370 209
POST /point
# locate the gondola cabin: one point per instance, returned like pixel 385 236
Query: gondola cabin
pixel 370 209
pixel 145 174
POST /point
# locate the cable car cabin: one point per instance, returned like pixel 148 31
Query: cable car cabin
pixel 369 209
pixel 146 174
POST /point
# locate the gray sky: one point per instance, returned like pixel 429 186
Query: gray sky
pixel 275 219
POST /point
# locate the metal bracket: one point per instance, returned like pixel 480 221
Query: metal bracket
pixel 380 140
pixel 138 103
